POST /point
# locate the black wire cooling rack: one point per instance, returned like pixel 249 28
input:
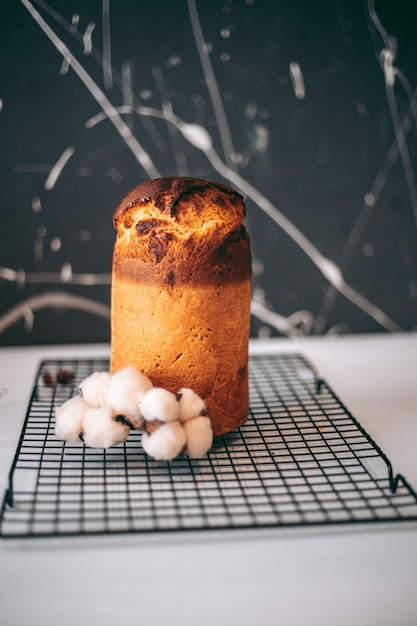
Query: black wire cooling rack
pixel 300 459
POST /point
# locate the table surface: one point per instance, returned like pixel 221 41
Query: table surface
pixel 332 575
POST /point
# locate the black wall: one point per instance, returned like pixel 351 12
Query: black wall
pixel 304 116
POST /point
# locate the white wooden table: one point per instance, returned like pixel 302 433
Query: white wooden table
pixel 365 575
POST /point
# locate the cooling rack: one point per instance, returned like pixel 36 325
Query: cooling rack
pixel 301 459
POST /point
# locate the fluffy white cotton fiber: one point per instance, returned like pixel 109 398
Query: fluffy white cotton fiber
pixel 69 419
pixel 93 388
pixel 166 442
pixel 122 392
pixel 199 436
pixel 159 404
pixel 191 405
pixel 102 430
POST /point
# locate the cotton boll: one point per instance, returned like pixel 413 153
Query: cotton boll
pixel 101 429
pixel 69 419
pixel 165 443
pixel 121 394
pixel 191 405
pixel 159 404
pixel 93 388
pixel 199 436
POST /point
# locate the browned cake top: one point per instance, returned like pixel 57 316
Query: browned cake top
pixel 176 209
pixel 181 200
pixel 192 223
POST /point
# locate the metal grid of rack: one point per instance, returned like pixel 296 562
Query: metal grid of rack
pixel 301 459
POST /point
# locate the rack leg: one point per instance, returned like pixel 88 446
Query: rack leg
pixel 9 496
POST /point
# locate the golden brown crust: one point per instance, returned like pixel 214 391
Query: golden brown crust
pixel 171 220
pixel 169 197
pixel 199 268
pixel 181 292
pixel 193 337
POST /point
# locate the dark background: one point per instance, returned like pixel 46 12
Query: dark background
pixel 330 156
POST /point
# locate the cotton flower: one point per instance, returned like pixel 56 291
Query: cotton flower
pixel 159 404
pixel 191 405
pixel 199 436
pixel 122 391
pixel 166 442
pixel 69 419
pixel 93 389
pixel 102 429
